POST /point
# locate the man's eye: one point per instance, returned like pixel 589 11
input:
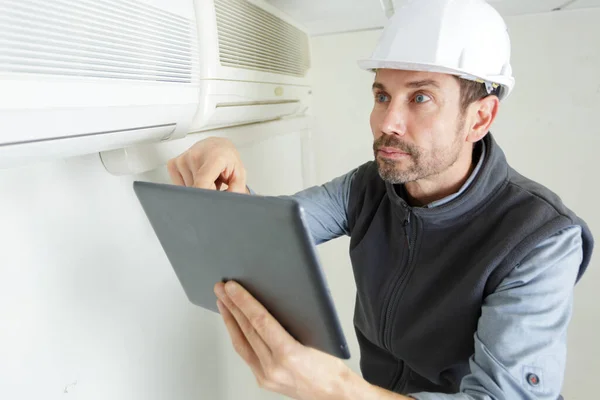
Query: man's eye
pixel 381 98
pixel 422 98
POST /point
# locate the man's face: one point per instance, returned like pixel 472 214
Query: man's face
pixel 418 128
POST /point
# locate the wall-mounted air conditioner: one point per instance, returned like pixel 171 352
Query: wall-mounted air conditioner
pixel 84 76
pixel 253 63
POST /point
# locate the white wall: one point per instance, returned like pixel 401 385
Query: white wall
pixel 547 128
pixel 88 302
pixel 89 305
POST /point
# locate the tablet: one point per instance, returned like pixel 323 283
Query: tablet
pixel 261 242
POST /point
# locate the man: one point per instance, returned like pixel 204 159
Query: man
pixel 464 269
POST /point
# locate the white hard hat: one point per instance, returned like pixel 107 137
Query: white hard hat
pixel 467 38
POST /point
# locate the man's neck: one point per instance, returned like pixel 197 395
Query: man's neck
pixel 426 191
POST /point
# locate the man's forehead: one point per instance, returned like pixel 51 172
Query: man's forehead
pixel 397 77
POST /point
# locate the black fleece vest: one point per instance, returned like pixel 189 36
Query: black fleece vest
pixel 422 274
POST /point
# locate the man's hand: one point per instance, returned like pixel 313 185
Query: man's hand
pixel 278 361
pixel 210 164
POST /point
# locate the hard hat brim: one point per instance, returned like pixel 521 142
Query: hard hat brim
pixel 371 65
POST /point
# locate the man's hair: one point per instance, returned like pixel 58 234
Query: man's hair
pixel 471 91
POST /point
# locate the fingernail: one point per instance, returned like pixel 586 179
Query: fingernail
pixel 230 287
pixel 219 292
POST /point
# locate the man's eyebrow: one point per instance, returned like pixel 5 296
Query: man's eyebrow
pixel 412 85
pixel 420 84
pixel 379 86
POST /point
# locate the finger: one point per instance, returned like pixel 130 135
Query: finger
pixel 185 172
pixel 240 344
pixel 258 345
pixel 208 173
pixel 176 177
pixel 261 321
pixel 237 182
pixel 221 184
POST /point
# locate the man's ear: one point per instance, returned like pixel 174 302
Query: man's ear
pixel 483 113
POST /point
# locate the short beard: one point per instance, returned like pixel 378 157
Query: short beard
pixel 423 165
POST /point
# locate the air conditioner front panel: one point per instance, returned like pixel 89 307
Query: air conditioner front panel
pixel 234 103
pixel 25 126
pixel 15 155
pixel 224 117
pixel 39 109
pixel 236 74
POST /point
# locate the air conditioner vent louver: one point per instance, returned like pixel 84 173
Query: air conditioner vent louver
pixel 251 38
pixel 109 39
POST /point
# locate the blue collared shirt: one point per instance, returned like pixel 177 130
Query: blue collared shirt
pixel 521 339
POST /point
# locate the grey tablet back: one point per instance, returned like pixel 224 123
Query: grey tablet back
pixel 260 242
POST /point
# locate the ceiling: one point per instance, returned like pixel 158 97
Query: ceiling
pixel 321 17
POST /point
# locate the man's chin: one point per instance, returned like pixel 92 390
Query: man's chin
pixel 391 175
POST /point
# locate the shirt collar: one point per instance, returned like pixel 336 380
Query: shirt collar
pixel 466 185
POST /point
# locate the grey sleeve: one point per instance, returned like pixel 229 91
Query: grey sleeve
pixel 521 339
pixel 326 208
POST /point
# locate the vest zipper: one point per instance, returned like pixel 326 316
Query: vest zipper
pixel 407 231
pixel 395 288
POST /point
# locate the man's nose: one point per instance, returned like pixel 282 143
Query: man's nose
pixel 394 122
